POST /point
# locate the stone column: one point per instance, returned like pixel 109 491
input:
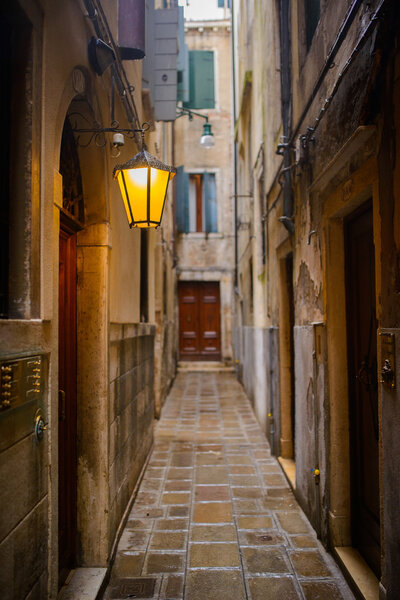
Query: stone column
pixel 93 252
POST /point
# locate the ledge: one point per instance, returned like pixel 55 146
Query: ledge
pixel 83 584
pixel 357 572
pixel 289 469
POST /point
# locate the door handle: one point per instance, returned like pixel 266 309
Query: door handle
pixel 61 405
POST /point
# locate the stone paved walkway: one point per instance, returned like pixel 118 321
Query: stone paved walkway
pixel 214 518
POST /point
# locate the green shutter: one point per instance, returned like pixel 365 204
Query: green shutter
pixel 210 202
pixel 201 79
pixel 182 200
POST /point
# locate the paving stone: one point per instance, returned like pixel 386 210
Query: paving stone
pixel 274 479
pixel 172 524
pixel 247 492
pixel 212 475
pixel 211 492
pixel 260 538
pixel 213 533
pixel 255 522
pixel 214 555
pixel 259 560
pixel 178 511
pixel 214 585
pixel 175 498
pixel 242 480
pixel 303 541
pixel 139 524
pixel 178 485
pixel 167 541
pixel 173 588
pixel 209 459
pixel 212 512
pixel 272 588
pixel 318 590
pixel 183 459
pixel 163 563
pixel 128 564
pixel 292 522
pixel 241 470
pixel 180 473
pixel 245 507
pixel 309 564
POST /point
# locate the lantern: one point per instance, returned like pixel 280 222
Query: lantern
pixel 143 182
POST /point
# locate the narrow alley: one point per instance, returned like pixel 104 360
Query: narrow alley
pixel 214 517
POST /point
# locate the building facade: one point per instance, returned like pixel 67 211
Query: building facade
pixel 87 305
pixel 204 213
pixel 317 128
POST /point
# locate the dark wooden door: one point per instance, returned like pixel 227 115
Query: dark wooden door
pixel 67 403
pixel 199 320
pixel 363 386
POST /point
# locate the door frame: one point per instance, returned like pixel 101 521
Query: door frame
pixel 346 199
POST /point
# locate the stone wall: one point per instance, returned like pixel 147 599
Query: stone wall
pixel 131 411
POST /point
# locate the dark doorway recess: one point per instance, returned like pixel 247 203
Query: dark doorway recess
pixel 67 429
pixel 363 385
pixel 199 320
pixel 290 316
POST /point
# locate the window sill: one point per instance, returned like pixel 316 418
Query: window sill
pixel 201 235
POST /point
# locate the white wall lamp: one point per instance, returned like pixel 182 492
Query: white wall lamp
pixel 207 139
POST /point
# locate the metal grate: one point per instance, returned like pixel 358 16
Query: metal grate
pixel 133 588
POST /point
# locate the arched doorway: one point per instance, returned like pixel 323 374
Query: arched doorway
pixel 71 221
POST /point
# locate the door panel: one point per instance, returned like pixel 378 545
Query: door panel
pixel 199 319
pixel 67 403
pixel 363 386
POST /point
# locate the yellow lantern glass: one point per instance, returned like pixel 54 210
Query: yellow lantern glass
pixel 143 182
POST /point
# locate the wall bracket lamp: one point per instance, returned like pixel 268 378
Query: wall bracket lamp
pixel 207 139
pixel 143 180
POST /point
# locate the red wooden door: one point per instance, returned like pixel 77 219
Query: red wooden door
pixel 363 386
pixel 199 320
pixel 67 454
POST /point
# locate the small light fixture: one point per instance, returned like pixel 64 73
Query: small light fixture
pixel 143 182
pixel 207 139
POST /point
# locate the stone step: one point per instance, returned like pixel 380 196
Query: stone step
pixel 214 366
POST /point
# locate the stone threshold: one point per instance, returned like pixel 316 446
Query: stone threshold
pixel 84 584
pixel 357 572
pixel 289 469
pixel 209 365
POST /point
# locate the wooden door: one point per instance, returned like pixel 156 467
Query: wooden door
pixel 199 321
pixel 363 386
pixel 67 454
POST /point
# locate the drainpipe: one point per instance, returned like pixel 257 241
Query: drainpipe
pixel 286 111
pixel 235 187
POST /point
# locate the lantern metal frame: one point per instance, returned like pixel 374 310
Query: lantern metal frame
pixel 141 160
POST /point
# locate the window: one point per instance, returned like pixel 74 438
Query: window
pixel 201 79
pixel 196 202
pixel 19 242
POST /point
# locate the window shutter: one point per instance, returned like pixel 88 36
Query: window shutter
pixel 201 79
pixel 210 202
pixel 182 200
